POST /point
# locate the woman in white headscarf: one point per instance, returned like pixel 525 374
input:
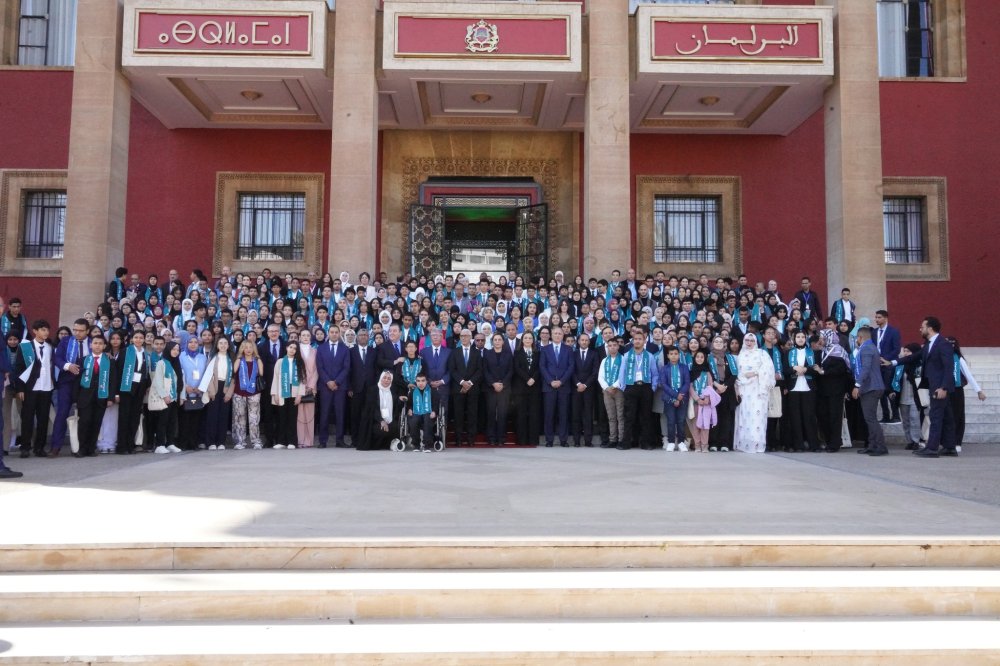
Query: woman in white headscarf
pixel 753 384
pixel 380 424
pixel 187 312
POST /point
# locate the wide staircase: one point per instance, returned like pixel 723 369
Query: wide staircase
pixel 679 601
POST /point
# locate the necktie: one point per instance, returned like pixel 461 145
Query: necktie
pixel 41 352
pixel 555 348
pixel 583 356
pixel 397 348
pixel 274 350
pixel 435 353
pixel 362 355
pixel 466 355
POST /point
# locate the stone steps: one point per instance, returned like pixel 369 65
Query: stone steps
pixel 411 596
pixel 823 642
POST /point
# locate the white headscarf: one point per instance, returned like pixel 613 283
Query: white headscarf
pixel 385 397
pixel 754 360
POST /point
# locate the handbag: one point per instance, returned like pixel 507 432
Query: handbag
pixel 192 404
pixel 692 410
pixel 774 403
pixel 307 399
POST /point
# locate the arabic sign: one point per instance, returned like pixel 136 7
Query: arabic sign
pixel 541 37
pixel 223 33
pixel 731 40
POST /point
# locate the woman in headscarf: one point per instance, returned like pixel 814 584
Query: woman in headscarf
pixel 753 384
pixel 380 424
pixel 193 364
pixel 163 392
pixel 187 312
pixel 832 381
pixel 725 368
pixel 704 401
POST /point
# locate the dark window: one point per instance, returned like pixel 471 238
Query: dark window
pixel 903 222
pixel 906 38
pixel 686 229
pixel 272 227
pixel 44 225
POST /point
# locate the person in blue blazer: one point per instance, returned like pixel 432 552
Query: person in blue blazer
pixel 888 341
pixel 69 360
pixel 557 373
pixel 937 357
pixel 333 363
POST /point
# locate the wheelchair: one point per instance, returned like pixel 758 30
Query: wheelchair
pixel 408 441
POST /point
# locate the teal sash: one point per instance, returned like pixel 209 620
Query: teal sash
pixel 612 369
pixel 289 377
pixel 630 367
pixel 103 377
pixel 129 371
pixel 410 370
pixel 422 401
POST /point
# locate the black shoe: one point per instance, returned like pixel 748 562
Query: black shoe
pixel 864 450
pixel 341 445
pixel 548 444
pixel 912 446
pixel 564 444
pixel 78 455
pixel 578 445
pixel 622 447
pixel 951 453
pixel 884 421
pixel 608 445
pixel 321 445
pixel 926 453
pixel 590 444
pixel 878 452
pixel 6 473
pixel 25 453
pixel 41 454
pixel 894 420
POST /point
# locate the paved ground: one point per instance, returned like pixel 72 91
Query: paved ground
pixel 315 494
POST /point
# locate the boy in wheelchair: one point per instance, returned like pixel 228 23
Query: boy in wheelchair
pixel 423 413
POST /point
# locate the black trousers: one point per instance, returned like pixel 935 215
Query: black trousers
pixel 356 408
pixel 35 420
pixel 638 427
pixel 466 411
pixel 165 421
pixel 582 422
pixel 190 424
pixel 497 407
pixel 856 421
pixel 421 425
pixel 830 417
pixel 270 421
pixel 802 427
pixel 89 427
pixel 129 413
pixel 529 417
pixel 286 433
pixel 941 434
pixel 217 413
pixel 890 406
pixel 957 398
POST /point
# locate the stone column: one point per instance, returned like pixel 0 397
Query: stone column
pixel 98 160
pixel 854 237
pixel 354 142
pixel 606 181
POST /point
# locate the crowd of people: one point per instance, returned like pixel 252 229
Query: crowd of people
pixel 286 362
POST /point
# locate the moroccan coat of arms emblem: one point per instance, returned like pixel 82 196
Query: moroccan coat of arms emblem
pixel 482 37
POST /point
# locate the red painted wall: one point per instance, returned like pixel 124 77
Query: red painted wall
pixel 172 180
pixel 783 192
pixel 34 118
pixel 948 129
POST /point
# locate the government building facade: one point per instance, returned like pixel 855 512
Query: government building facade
pixel 851 141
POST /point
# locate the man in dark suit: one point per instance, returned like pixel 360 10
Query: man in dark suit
pixel 94 395
pixel 34 381
pixel 466 374
pixel 389 354
pixel 557 373
pixel 5 378
pixel 270 350
pixel 888 342
pixel 363 376
pixel 808 300
pixel 435 358
pixel 333 363
pixel 585 363
pixel 937 357
pixel 69 359
pixel 133 372
pixel 868 388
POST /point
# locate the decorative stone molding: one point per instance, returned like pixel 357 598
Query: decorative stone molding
pixel 230 184
pixel 727 188
pixel 14 187
pixel 934 194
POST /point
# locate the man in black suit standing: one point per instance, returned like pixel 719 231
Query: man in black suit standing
pixel 34 381
pixel 808 300
pixel 363 377
pixel 584 380
pixel 466 373
pixel 389 354
pixel 937 357
pixel 270 350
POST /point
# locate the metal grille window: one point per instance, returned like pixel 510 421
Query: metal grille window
pixel 44 225
pixel 272 227
pixel 47 32
pixel 903 222
pixel 905 38
pixel 686 229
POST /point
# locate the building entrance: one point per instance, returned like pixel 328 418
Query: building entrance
pixel 482 231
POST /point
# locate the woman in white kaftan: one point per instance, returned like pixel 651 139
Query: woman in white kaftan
pixel 753 385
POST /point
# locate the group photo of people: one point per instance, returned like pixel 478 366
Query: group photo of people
pixel 658 362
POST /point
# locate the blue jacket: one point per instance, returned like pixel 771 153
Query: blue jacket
pixel 553 369
pixel 333 368
pixel 891 345
pixel 669 393
pixel 939 365
pixel 437 368
pixel 870 376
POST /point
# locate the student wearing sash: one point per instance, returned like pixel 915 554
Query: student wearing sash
pixel 800 376
pixel 777 396
pixel 116 288
pixel 218 385
pixel 423 411
pixel 193 364
pixel 306 421
pixel 246 401
pixel 134 373
pixel 868 389
pixel 11 405
pixel 704 400
pixel 640 384
pixel 6 367
pixel 164 390
pixel 675 385
pixel 610 377
pixel 287 388
pixel 725 366
pixel 963 377
pixel 94 395
pixel 905 380
pixel 34 381
pixel 70 353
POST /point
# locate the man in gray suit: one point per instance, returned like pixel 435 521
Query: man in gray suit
pixel 869 387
